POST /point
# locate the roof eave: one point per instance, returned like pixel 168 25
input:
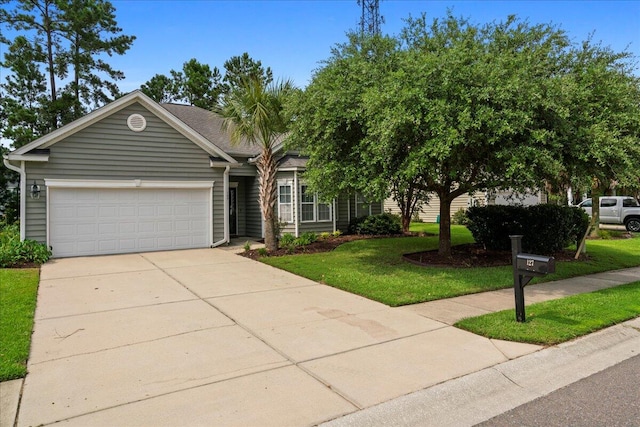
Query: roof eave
pixel 28 157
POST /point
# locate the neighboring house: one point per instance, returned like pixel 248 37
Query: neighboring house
pixel 431 211
pixel 138 176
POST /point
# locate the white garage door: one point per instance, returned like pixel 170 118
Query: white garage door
pixel 94 221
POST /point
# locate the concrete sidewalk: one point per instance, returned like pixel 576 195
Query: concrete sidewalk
pixel 206 337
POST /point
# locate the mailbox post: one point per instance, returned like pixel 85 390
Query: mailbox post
pixel 525 268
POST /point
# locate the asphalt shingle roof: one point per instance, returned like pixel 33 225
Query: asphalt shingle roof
pixel 209 125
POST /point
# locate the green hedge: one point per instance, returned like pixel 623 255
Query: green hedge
pixel 381 224
pixel 14 252
pixel 546 229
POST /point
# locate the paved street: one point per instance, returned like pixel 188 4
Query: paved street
pixel 609 398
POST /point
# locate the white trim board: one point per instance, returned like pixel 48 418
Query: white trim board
pixel 125 183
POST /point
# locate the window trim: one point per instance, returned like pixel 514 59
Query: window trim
pixel 286 183
pixel 312 203
pixel 329 206
pixel 316 204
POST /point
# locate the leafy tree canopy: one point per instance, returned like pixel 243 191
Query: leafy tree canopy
pixel 450 107
pixel 200 85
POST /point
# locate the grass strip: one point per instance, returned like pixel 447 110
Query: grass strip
pixel 375 269
pixel 556 321
pixel 18 290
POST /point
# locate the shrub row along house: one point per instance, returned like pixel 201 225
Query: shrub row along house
pixel 138 176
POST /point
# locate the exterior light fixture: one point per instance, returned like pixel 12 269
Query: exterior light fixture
pixel 35 191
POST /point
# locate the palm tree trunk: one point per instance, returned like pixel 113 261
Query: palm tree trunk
pixel 267 170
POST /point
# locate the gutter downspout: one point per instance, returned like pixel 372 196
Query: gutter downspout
pixel 23 194
pixel 225 189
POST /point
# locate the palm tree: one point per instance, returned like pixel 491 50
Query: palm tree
pixel 254 112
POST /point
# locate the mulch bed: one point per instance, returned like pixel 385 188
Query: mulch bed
pixel 474 255
pixel 462 256
pixel 321 245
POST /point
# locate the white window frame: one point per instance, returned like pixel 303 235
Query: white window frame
pixel 285 183
pixel 316 206
pixel 329 206
pixel 313 204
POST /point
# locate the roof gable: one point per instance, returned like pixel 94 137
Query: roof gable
pixel 117 105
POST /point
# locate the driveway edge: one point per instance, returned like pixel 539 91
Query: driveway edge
pixel 9 401
pixel 477 397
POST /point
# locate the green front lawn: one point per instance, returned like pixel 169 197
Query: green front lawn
pixel 556 321
pixel 18 289
pixel 374 268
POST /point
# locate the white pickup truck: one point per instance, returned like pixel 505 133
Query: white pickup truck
pixel 617 210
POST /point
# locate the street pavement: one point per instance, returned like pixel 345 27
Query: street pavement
pixel 609 398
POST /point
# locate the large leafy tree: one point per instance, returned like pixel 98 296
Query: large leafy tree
pixel 600 132
pixel 63 40
pixel 255 113
pixel 456 108
pixel 332 126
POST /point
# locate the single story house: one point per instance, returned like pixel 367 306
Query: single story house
pixel 138 176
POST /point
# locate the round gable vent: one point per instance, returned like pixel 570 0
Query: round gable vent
pixel 136 122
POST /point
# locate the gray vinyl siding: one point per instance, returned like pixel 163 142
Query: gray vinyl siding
pixel 342 218
pixel 109 150
pixel 253 214
pixel 241 204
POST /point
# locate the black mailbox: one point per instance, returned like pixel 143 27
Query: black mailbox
pixel 535 264
pixel 525 268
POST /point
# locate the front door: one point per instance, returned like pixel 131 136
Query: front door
pixel 233 212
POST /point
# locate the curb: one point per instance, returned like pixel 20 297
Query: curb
pixel 477 397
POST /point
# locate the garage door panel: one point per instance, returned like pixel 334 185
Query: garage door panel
pixel 127 245
pixel 127 228
pixel 86 212
pixel 84 229
pixel 92 221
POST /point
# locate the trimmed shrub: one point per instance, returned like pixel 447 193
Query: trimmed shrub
pixel 306 238
pixel 546 229
pixel 288 242
pixel 460 217
pixel 382 224
pixel 13 252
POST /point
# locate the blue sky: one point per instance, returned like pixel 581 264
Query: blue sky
pixel 293 36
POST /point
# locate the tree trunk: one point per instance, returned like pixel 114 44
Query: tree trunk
pixel 406 222
pixel 267 170
pixel 444 245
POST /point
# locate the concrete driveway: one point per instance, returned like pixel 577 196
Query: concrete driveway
pixel 206 337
